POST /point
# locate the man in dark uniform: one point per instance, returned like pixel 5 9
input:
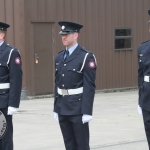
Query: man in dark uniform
pixel 144 84
pixel 10 85
pixel 74 88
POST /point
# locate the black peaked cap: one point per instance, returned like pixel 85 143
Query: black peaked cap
pixel 69 27
pixel 4 26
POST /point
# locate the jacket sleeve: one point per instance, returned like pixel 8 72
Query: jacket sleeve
pixel 15 74
pixel 140 72
pixel 89 75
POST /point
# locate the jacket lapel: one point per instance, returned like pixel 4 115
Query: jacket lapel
pixel 74 54
pixel 62 56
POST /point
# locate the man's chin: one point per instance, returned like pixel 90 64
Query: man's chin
pixel 65 44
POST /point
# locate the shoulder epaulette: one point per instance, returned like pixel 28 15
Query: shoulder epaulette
pixel 145 42
pixel 87 51
pixel 10 46
pixel 60 51
pixel 82 48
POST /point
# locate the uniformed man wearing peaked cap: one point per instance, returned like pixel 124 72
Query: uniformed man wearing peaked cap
pixel 75 72
pixel 144 84
pixel 10 85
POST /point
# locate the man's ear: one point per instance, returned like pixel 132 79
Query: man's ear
pixel 76 35
pixel 2 35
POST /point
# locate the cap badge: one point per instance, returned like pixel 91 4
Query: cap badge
pixel 63 27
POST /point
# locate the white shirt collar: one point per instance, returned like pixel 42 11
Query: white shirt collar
pixel 71 49
pixel 1 43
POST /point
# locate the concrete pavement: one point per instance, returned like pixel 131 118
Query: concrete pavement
pixel 116 124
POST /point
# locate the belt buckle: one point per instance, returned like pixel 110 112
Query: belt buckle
pixel 64 92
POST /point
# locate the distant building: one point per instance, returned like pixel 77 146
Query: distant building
pixel 113 29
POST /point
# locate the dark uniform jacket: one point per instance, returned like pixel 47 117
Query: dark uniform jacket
pixel 144 70
pixel 68 76
pixel 10 72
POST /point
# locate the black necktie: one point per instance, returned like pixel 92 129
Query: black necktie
pixel 66 54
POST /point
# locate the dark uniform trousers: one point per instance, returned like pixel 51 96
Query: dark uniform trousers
pixel 6 143
pixel 75 133
pixel 144 84
pixel 146 119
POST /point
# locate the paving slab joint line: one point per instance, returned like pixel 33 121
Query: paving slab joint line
pixel 117 144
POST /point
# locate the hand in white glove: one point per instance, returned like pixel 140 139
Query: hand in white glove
pixel 11 110
pixel 139 110
pixel 56 116
pixel 86 118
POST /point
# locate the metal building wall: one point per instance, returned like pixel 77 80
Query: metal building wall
pixel 116 69
pixel 12 12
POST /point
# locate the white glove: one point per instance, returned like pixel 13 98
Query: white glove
pixel 56 116
pixel 86 118
pixel 11 110
pixel 139 110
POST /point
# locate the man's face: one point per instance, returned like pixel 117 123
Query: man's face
pixel 69 40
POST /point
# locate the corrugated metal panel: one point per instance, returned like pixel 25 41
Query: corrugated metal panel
pixel 12 12
pixel 116 69
pixel 2 10
pixel 42 10
pixel 9 14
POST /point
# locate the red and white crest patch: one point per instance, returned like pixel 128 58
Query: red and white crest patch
pixel 92 64
pixel 17 60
